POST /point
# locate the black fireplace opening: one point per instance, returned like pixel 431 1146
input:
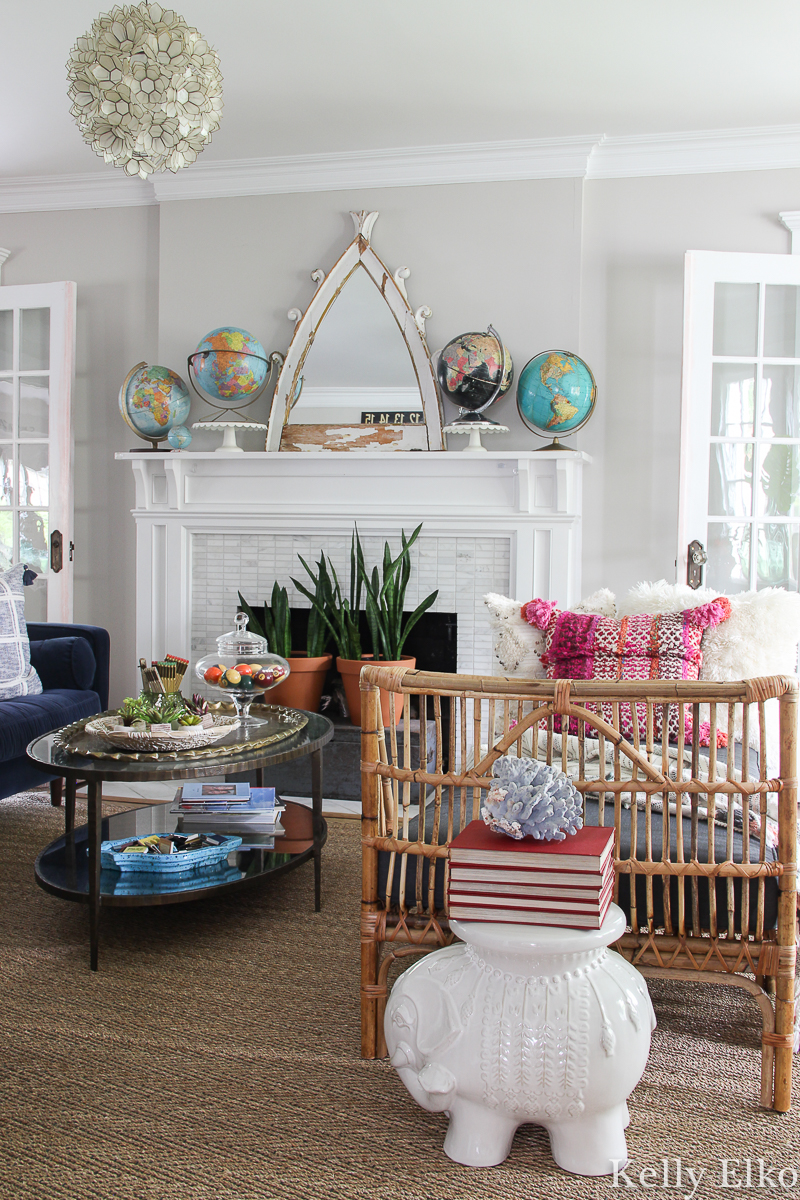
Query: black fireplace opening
pixel 433 641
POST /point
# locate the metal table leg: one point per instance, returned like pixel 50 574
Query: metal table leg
pixel 316 819
pixel 69 806
pixel 95 818
pixel 259 777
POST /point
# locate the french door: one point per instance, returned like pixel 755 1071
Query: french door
pixel 37 367
pixel 740 419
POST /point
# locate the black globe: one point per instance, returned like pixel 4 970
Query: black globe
pixel 469 370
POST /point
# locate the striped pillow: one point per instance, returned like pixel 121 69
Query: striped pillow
pixel 17 676
pixel 645 646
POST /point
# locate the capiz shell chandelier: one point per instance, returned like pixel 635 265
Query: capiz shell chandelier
pixel 146 89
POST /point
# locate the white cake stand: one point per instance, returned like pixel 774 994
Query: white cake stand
pixel 475 429
pixel 229 443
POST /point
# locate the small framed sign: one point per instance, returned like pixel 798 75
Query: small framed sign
pixel 392 418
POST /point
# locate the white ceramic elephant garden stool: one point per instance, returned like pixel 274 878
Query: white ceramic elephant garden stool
pixel 522 1024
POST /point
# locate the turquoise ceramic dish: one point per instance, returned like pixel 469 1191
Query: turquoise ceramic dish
pixel 182 862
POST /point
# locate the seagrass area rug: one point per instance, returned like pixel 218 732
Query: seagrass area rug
pixel 215 1056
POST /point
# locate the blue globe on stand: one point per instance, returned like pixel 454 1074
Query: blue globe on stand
pixel 556 395
pixel 229 365
pixel 179 437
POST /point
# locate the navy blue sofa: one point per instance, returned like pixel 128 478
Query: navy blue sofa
pixel 72 663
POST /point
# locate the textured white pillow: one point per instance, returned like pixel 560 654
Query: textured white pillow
pixel 759 638
pixel 518 646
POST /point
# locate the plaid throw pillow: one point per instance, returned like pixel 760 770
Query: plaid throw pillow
pixel 17 676
pixel 662 646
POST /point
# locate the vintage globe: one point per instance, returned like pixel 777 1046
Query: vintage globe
pixel 229 365
pixel 153 400
pixel 556 393
pixel 469 369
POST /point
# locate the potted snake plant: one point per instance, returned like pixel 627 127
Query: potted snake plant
pixel 308 668
pixel 389 626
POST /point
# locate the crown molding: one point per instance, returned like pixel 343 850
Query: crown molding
pixel 410 166
pixel 792 222
pixel 706 151
pixel 592 156
pixel 46 193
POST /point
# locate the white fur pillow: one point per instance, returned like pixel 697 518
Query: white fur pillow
pixel 759 638
pixel 517 645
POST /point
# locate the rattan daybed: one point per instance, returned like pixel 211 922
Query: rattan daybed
pixel 713 908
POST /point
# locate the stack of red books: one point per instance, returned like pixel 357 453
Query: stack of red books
pixel 530 882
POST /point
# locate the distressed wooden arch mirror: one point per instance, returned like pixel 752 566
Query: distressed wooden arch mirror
pixel 357 374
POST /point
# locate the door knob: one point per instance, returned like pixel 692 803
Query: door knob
pixel 697 558
pixel 56 551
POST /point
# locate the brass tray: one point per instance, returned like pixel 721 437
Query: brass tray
pixel 279 723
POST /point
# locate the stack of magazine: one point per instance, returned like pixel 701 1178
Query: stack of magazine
pixel 230 808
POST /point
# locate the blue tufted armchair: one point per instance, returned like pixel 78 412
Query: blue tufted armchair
pixel 72 663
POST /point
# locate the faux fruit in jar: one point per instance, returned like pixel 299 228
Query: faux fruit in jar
pixel 243 669
pixel 212 675
pixel 233 677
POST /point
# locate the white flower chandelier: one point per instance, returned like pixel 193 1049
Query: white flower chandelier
pixel 146 89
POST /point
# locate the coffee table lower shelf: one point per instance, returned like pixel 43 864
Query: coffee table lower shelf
pixel 62 868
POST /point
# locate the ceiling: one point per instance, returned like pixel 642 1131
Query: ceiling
pixel 311 76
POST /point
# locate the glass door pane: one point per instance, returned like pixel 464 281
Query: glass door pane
pixel 779 401
pixel 736 319
pixel 730 479
pixel 6 339
pixel 778 491
pixel 728 557
pixel 781 316
pixel 34 339
pixel 776 556
pixel 34 406
pixel 6 408
pixel 733 399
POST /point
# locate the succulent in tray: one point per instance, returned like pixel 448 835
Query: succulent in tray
pixel 142 712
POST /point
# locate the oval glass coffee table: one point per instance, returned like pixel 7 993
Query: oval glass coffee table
pixel 70 866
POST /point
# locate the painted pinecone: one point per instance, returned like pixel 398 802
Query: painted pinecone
pixel 531 799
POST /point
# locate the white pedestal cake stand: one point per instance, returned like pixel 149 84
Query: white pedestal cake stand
pixel 475 429
pixel 229 443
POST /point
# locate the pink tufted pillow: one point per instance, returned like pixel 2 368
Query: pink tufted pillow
pixel 646 646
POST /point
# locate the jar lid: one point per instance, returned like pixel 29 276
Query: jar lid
pixel 241 643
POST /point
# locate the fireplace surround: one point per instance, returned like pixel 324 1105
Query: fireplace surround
pixel 209 525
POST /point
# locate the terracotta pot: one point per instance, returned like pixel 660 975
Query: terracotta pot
pixel 304 686
pixel 350 671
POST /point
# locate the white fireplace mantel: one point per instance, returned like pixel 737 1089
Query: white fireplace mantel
pixel 531 500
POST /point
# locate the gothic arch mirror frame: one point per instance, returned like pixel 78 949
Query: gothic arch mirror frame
pixel 411 326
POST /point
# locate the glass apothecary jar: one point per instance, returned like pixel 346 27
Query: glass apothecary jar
pixel 242 669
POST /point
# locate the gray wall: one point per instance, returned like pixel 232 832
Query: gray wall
pixel 596 266
pixel 112 255
pixel 635 235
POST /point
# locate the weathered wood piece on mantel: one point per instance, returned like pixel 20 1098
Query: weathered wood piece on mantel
pixel 354 437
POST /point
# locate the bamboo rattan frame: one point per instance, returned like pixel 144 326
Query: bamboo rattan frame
pixel 759 961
